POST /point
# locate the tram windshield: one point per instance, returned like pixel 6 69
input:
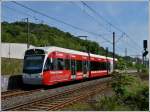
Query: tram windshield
pixel 33 64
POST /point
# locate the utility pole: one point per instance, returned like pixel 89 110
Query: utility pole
pixel 28 29
pixel 126 54
pixel 28 45
pixel 126 58
pixel 107 59
pixel 113 51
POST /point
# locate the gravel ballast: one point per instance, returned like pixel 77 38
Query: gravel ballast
pixel 10 102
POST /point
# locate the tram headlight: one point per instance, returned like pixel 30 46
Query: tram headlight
pixel 25 75
pixel 40 75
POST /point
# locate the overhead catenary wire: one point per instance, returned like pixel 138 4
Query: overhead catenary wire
pixel 100 24
pixel 97 22
pixel 23 13
pixel 109 23
pixel 122 33
pixel 121 36
pixel 93 33
pixel 60 21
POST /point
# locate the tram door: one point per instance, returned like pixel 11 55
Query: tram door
pixel 85 69
pixel 73 69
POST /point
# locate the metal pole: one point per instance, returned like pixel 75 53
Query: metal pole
pixel 28 45
pixel 126 58
pixel 89 61
pixel 125 52
pixel 107 59
pixel 113 51
pixel 143 58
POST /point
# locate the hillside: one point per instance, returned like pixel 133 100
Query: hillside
pixel 42 35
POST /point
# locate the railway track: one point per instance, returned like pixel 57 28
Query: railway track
pixel 14 93
pixel 61 99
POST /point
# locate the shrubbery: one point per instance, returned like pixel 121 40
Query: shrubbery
pixel 130 94
pixel 44 35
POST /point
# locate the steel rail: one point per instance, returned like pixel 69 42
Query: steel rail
pixel 44 103
pixel 14 93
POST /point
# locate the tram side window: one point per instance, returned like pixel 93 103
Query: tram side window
pixel 103 66
pixel 79 65
pixel 60 64
pixel 95 65
pixel 67 64
pixel 84 65
pixel 48 65
pixel 92 66
pixel 98 66
pixel 108 65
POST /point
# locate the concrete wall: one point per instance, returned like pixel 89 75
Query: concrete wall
pixel 11 82
pixel 4 82
pixel 13 50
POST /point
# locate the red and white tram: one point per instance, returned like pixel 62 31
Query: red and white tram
pixel 51 65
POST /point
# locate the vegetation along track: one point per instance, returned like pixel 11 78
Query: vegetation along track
pixel 62 99
pixel 13 93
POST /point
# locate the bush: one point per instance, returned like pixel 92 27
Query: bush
pixel 119 82
pixel 121 64
pixel 109 104
pixel 130 91
pixel 145 70
pixel 138 100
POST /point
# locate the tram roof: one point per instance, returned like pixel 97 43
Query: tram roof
pixel 49 49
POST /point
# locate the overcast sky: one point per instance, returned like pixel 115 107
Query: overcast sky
pixel 130 17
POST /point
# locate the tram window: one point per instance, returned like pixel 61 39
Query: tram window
pixel 95 65
pixel 54 64
pixel 50 65
pixel 84 65
pixel 103 66
pixel 98 66
pixel 108 65
pixel 60 64
pixel 92 65
pixel 34 52
pixel 79 65
pixel 47 65
pixel 67 64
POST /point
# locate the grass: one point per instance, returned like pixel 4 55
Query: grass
pixel 103 104
pixel 81 106
pixel 11 66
